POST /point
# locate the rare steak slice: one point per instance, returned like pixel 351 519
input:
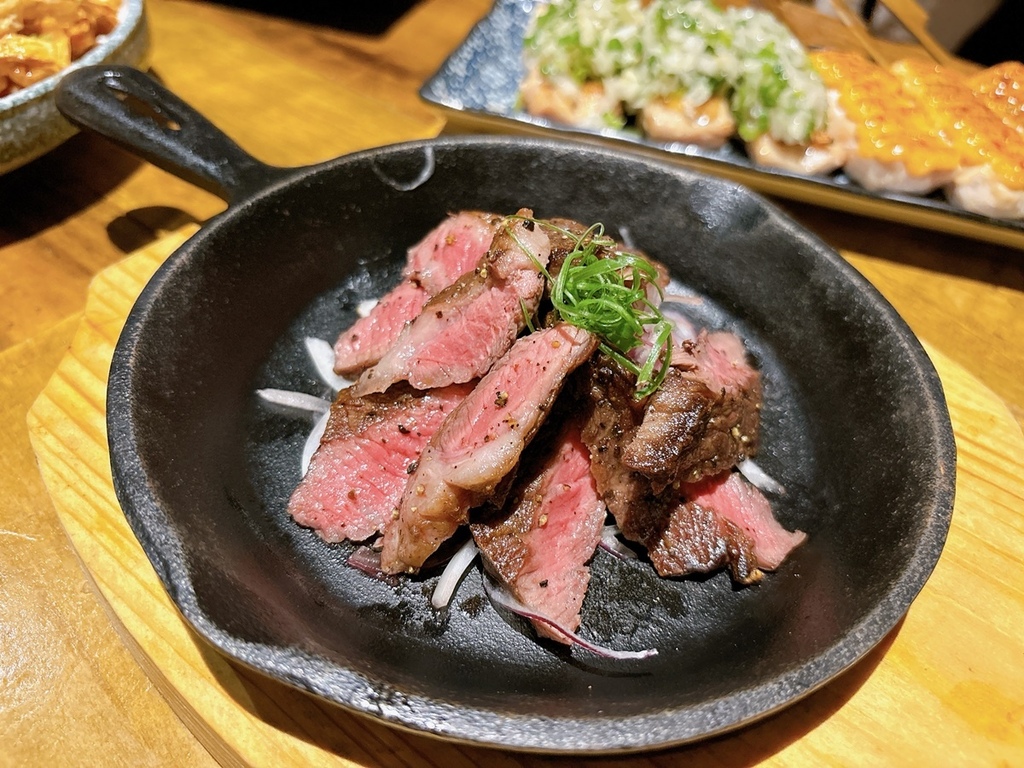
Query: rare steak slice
pixel 699 540
pixel 539 544
pixel 480 443
pixel 740 503
pixel 465 328
pixel 704 419
pixel 449 251
pixel 357 475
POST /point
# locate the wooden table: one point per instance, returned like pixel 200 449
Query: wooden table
pixel 945 687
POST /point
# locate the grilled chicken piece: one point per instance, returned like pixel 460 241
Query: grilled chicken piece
pixel 1002 88
pixel 820 156
pixel 673 118
pixel 990 179
pixel 585 105
pixel 892 144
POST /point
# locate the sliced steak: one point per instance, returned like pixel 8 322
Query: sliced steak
pixel 465 328
pixel 449 251
pixel 541 541
pixel 357 475
pixel 689 535
pixel 704 419
pixel 612 418
pixel 740 503
pixel 480 443
pixel 699 540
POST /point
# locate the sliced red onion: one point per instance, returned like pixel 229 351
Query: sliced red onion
pixel 298 401
pixel 759 478
pixel 322 355
pixel 363 308
pixel 367 560
pixel 611 544
pixel 502 597
pixel 313 441
pixel 452 574
pixel 687 299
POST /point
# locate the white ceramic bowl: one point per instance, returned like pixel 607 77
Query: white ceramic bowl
pixel 30 124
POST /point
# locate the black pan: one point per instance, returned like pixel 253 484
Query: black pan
pixel 855 426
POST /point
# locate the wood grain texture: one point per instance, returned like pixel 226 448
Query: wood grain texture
pixel 70 692
pixel 943 687
pixel 945 684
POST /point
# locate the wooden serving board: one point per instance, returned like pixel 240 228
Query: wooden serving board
pixel 945 687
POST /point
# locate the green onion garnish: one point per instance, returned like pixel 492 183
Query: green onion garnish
pixel 604 289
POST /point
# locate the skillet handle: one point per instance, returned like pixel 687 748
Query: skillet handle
pixel 136 112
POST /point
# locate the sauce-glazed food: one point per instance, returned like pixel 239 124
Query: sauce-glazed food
pixel 39 38
pixel 538 392
pixel 687 71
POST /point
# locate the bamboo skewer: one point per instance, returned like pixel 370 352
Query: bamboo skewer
pixel 913 17
pixel 860 32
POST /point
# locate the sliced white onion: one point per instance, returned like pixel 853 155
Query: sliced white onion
pixel 322 355
pixel 364 308
pixel 627 237
pixel 452 574
pixel 683 328
pixel 502 597
pixel 408 186
pixel 611 544
pixel 298 401
pixel 759 478
pixel 313 441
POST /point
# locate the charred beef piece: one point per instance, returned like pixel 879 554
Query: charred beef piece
pixel 481 442
pixel 699 540
pixel 739 503
pixel 357 474
pixel 612 418
pixel 466 327
pixel 449 251
pixel 540 542
pixel 704 419
pixel 690 528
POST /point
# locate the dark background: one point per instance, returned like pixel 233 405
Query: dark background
pixel 999 39
pixel 372 18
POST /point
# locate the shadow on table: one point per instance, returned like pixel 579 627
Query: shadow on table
pixel 371 743
pixel 73 177
pixel 364 18
pixel 910 245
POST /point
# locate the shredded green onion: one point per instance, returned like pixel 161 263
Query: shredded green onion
pixel 604 289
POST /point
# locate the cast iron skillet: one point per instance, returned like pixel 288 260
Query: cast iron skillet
pixel 855 426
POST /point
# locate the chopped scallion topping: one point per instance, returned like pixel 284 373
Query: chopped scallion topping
pixel 604 289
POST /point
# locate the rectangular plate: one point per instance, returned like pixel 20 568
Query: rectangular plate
pixel 478 86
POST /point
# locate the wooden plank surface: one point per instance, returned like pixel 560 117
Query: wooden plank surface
pixel 293 93
pixel 947 681
pixel 70 692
